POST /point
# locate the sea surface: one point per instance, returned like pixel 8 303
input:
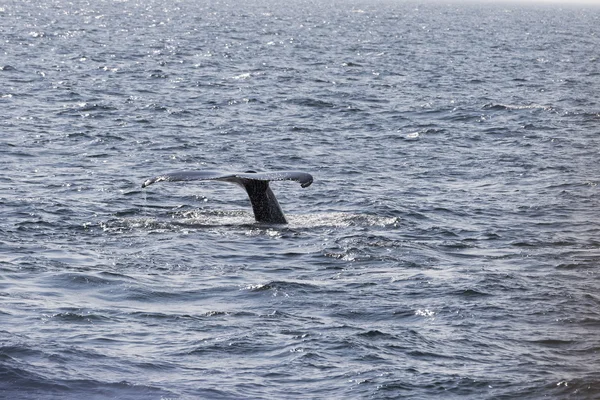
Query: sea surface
pixel 449 246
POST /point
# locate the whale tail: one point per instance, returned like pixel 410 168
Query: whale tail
pixel 264 203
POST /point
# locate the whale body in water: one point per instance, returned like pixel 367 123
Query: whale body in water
pixel 264 203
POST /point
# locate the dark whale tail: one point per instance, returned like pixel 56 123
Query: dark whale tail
pixel 264 203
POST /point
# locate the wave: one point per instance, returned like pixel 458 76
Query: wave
pixel 309 102
pixel 202 219
pixel 21 383
pixel 500 107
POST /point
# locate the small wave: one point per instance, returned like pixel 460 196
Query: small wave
pixel 340 220
pixel 158 74
pixel 242 76
pixel 215 217
pixel 76 280
pixel 96 107
pixel 500 107
pixel 469 293
pixel 308 102
pixel 76 317
pixel 375 334
pixel 282 288
pixel 86 110
pixel 151 295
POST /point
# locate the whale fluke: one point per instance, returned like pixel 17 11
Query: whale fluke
pixel 264 203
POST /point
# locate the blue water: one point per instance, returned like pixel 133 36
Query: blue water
pixel 448 248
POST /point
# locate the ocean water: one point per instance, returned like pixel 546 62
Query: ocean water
pixel 449 246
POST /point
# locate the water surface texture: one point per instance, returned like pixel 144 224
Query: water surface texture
pixel 448 248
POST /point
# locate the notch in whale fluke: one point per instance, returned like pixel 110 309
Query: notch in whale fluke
pixel 263 200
